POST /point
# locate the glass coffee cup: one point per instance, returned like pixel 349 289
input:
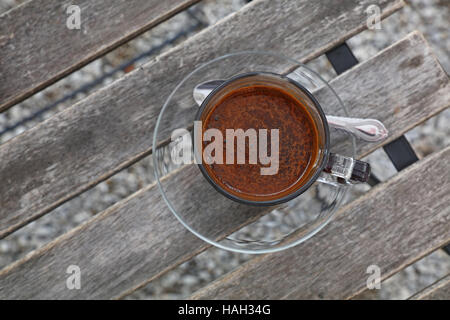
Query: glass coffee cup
pixel 295 109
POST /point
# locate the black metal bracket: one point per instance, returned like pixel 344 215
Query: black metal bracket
pixel 399 151
pixel 341 58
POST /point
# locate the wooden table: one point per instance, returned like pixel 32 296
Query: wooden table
pixel 126 246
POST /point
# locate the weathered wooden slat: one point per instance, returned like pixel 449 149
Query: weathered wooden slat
pixel 440 290
pixel 38 48
pixel 113 127
pixel 391 226
pixel 138 239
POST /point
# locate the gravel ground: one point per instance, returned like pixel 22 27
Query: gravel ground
pixel 429 16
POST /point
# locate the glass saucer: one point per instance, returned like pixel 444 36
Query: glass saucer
pixel 208 214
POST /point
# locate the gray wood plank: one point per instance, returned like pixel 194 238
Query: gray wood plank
pixel 440 290
pixel 391 226
pixel 113 128
pixel 38 49
pixel 138 239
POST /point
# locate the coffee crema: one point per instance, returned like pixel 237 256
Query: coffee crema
pixel 264 107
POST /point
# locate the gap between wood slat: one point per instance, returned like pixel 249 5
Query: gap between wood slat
pixel 440 290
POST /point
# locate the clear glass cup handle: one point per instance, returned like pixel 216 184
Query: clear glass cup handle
pixel 346 170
